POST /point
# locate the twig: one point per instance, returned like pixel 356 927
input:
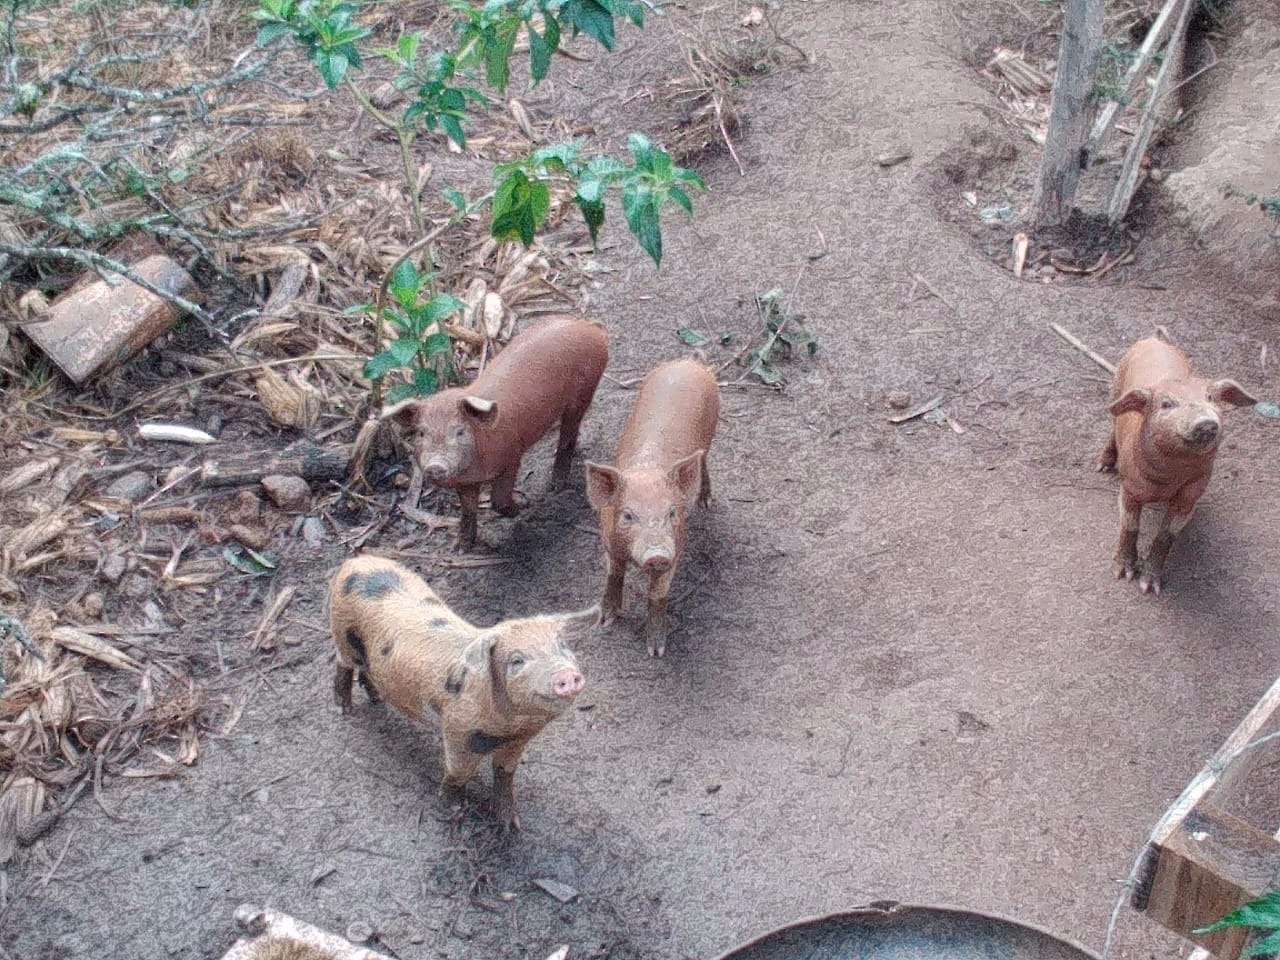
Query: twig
pixel 1075 341
pixel 919 409
pixel 929 286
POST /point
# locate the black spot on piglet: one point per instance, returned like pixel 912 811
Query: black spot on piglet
pixel 481 743
pixel 456 677
pixel 373 585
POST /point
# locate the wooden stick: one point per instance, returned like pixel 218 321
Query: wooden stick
pixel 1075 341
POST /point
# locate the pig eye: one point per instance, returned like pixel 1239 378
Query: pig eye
pixel 459 432
pixel 627 517
pixel 671 514
pixel 1168 403
pixel 517 661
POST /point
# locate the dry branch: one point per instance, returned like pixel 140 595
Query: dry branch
pixel 302 459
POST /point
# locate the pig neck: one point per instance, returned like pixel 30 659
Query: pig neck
pixel 1166 464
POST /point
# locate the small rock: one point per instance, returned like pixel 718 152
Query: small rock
pixel 313 532
pixel 1046 272
pixel 113 567
pixel 245 507
pixel 417 938
pixel 561 891
pixel 359 932
pixel 136 586
pixel 1156 174
pixel 132 486
pixel 250 919
pixel 252 538
pixel 898 399
pixel 287 493
pixel 91 605
pixel 893 158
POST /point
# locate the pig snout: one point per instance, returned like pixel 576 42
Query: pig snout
pixel 568 683
pixel 1204 432
pixel 437 468
pixel 656 560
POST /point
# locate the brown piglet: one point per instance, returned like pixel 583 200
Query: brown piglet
pixel 467 436
pixel 1166 433
pixel 493 688
pixel 660 466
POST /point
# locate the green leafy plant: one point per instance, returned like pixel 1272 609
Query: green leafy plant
pixel 1268 204
pixel 1262 915
pixel 523 198
pixel 786 339
pixel 421 345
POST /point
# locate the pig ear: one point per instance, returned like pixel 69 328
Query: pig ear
pixel 579 623
pixel 1135 401
pixel 404 413
pixel 1228 391
pixel 603 484
pixel 686 474
pixel 478 408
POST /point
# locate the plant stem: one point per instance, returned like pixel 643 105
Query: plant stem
pixel 405 138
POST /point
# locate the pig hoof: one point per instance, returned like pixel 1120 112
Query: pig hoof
pixel 657 648
pixel 1125 570
pixel 1149 583
pixel 451 794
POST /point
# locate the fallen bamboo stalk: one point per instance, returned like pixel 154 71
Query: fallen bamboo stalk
pixel 1076 342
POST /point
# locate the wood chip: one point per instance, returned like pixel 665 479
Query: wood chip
pixel 175 433
pixel 561 891
pixel 87 645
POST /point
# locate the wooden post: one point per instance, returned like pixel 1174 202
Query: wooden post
pixel 1064 156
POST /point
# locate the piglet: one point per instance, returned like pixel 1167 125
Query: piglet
pixel 1168 425
pixel 660 465
pixel 493 688
pixel 467 436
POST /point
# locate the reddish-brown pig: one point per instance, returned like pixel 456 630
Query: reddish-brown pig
pixel 467 436
pixel 494 688
pixel 1167 428
pixel 660 465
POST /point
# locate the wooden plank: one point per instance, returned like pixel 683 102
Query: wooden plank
pixel 1128 181
pixel 1111 109
pixel 1060 165
pixel 302 459
pixel 1190 850
pixel 1210 865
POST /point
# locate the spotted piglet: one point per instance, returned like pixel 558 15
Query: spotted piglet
pixel 494 688
pixel 643 499
pixel 1166 433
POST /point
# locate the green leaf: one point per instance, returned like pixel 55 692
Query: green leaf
pixel 1268 945
pixel 642 149
pixel 401 391
pixel 379 365
pixel 356 308
pixel 425 382
pixel 540 51
pixel 441 306
pixel 437 344
pixel 333 67
pixel 456 198
pixel 766 372
pixel 407 48
pixel 593 19
pixel 405 283
pixel 686 176
pixel 249 561
pixel 682 198
pixel 497 58
pixel 269 31
pixel 453 130
pixel 692 337
pixel 519 207
pixel 1263 913
pixel 640 205
pixel 590 190
pixel 404 350
pixel 593 214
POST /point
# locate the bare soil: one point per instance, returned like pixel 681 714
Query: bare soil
pixel 900 666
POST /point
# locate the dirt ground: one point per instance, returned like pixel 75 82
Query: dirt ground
pixel 900 666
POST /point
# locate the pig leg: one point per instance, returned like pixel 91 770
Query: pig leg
pixel 1127 545
pixel 1107 459
pixel 342 681
pixel 369 689
pixel 655 625
pixel 612 602
pixel 704 491
pixel 505 760
pixel 459 766
pixel 1176 516
pixel 503 492
pixel 565 445
pixel 469 498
